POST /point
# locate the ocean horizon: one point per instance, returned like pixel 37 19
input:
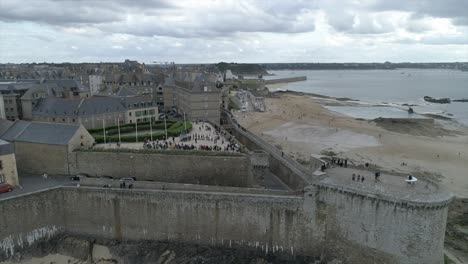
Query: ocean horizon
pixel 386 93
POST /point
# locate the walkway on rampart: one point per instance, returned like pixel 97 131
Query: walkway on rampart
pixel 288 161
pixel 387 185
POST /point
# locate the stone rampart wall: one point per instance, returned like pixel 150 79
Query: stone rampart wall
pixel 324 222
pixel 195 169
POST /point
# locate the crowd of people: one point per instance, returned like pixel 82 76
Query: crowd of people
pixel 205 137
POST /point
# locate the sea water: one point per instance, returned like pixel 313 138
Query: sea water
pixel 385 93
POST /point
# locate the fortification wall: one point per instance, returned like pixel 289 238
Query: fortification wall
pixel 325 222
pixel 196 169
pixel 410 231
pixel 41 158
pixel 288 170
pixel 27 219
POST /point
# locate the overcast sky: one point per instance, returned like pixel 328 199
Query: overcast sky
pixel 195 31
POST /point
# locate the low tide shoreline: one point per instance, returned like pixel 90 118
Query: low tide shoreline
pixel 300 124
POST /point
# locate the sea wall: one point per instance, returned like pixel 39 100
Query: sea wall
pixel 325 221
pixel 286 80
pixel 410 231
pixel 25 220
pixel 225 170
pixel 287 169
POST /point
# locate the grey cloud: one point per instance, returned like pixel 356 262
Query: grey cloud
pixel 163 18
pixel 65 12
pixel 453 9
pixel 454 40
pixel 360 23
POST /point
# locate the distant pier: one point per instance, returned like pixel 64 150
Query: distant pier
pixel 286 80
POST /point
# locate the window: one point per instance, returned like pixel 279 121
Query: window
pixel 63 119
pixel 53 119
pixel 129 113
pixel 73 120
pixel 1 164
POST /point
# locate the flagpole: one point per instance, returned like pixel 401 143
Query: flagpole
pixel 165 126
pixel 104 129
pixel 118 127
pixel 151 128
pixel 136 130
pixel 185 123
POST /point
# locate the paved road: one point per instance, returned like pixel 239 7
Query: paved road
pixel 33 182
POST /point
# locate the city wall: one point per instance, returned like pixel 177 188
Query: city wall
pixel 288 170
pixel 227 170
pixel 325 222
pixel 27 219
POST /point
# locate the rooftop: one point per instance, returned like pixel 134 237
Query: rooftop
pixel 48 133
pixel 87 106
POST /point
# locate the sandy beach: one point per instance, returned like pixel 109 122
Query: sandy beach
pixel 301 126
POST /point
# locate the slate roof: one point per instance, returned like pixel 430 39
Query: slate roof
pixel 14 130
pixel 48 133
pixel 5 125
pixel 86 106
pixel 78 107
pixel 6 148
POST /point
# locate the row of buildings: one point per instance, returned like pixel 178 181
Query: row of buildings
pixel 108 98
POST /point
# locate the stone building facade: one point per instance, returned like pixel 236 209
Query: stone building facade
pixel 46 147
pixel 97 111
pixel 8 170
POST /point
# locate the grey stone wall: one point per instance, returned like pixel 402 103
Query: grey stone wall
pixel 196 169
pixel 411 232
pixel 325 222
pixel 27 219
pixel 41 158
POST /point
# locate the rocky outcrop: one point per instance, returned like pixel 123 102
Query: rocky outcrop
pixel 437 100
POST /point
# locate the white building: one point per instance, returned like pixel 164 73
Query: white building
pixel 95 82
pixel 2 108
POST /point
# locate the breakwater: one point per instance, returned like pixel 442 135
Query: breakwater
pixel 286 80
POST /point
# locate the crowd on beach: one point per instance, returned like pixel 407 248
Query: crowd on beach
pixel 205 137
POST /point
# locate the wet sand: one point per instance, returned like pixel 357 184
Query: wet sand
pixel 301 126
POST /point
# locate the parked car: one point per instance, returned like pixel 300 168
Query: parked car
pixel 75 178
pixel 5 187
